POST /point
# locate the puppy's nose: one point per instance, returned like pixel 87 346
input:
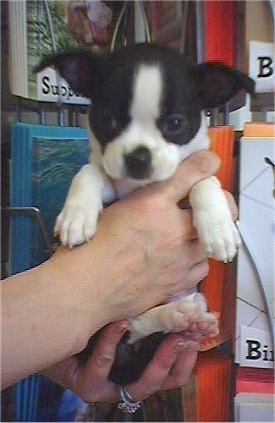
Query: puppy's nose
pixel 138 162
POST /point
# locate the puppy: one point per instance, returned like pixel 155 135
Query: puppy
pixel 147 115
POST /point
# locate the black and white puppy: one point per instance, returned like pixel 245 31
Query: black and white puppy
pixel 147 115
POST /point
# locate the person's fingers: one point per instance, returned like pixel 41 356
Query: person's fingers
pixel 182 368
pixel 93 384
pixel 197 273
pixel 199 166
pixel 64 373
pixel 102 357
pixel 232 205
pixel 158 368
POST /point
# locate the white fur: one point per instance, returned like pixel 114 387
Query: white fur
pixel 176 316
pixel 147 94
pixel 212 219
pixel 165 317
pixel 77 221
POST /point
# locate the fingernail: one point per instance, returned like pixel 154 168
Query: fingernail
pixel 179 346
pixel 123 328
pixel 208 160
pixel 192 345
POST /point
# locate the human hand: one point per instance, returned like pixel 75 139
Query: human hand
pixel 170 368
pixel 144 244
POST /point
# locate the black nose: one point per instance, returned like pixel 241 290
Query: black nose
pixel 138 162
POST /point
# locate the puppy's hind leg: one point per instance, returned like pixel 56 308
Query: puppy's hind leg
pixel 184 316
pixel 164 318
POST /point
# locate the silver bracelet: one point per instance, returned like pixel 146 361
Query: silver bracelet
pixel 127 405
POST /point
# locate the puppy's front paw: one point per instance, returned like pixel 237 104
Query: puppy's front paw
pixel 220 239
pixel 76 224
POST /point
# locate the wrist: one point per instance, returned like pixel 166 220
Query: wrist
pixel 82 296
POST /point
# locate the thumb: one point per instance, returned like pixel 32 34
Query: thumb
pixel 198 166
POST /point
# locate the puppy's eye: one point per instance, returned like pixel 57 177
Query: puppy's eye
pixel 179 128
pixel 172 125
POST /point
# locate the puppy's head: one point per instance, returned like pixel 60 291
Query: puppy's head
pixel 147 105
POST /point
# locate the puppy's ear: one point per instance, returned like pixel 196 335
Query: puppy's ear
pixel 79 68
pixel 218 83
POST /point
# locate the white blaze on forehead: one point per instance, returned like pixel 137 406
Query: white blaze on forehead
pixel 147 92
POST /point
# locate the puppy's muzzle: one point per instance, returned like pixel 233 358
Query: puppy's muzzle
pixel 138 163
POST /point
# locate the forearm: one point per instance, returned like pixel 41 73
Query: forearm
pixel 50 312
pixel 42 321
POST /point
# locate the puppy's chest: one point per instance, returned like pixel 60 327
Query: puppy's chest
pixel 117 190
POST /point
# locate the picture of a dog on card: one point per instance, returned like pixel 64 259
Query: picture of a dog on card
pixel 147 115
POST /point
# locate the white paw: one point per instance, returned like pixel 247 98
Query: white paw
pixel 194 323
pixel 186 317
pixel 181 315
pixel 220 239
pixel 166 317
pixel 76 224
pixel 205 327
pixel 213 221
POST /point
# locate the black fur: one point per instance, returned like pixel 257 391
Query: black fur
pixel 108 81
pixel 130 360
